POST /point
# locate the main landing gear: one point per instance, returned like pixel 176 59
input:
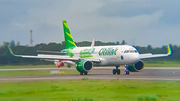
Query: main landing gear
pixel 116 71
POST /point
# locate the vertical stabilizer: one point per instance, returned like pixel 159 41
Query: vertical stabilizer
pixel 70 44
pixel 93 42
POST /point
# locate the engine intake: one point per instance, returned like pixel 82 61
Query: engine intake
pixel 84 66
pixel 60 64
pixel 136 67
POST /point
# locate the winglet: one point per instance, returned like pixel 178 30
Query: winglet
pixel 169 50
pixel 10 50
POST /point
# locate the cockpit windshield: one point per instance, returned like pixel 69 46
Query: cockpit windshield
pixel 130 51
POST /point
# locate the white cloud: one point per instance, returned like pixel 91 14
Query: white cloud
pixel 87 21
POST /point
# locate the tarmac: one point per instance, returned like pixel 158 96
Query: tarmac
pixel 103 73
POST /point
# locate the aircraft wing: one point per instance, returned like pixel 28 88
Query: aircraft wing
pixel 51 52
pixel 150 55
pixel 52 57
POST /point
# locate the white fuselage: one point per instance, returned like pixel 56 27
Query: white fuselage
pixel 109 55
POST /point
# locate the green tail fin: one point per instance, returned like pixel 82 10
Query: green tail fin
pixel 70 44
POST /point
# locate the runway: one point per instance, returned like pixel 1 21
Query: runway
pixel 104 73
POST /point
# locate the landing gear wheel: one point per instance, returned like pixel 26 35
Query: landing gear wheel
pixel 118 71
pixel 81 73
pixel 126 72
pixel 85 73
pixel 114 71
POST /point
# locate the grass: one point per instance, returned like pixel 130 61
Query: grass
pixel 23 73
pixel 162 63
pixel 26 66
pixel 27 73
pixel 90 90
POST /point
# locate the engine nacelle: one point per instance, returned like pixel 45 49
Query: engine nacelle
pixel 60 64
pixel 136 67
pixel 84 66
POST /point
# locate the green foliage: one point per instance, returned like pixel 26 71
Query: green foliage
pixel 37 72
pixel 23 73
pixel 90 90
pixel 123 42
pixel 152 63
pixel 81 99
pixel 147 98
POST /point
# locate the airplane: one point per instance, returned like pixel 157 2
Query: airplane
pixel 86 58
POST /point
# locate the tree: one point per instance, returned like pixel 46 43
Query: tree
pixel 18 43
pixel 117 43
pixel 149 48
pixel 12 43
pixel 123 42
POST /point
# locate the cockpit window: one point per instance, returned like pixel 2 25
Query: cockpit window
pixel 130 51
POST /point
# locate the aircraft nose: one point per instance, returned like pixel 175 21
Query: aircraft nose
pixel 134 58
pixel 130 58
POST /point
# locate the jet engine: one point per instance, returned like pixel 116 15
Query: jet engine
pixel 136 67
pixel 60 64
pixel 84 66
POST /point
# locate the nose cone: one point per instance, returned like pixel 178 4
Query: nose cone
pixel 135 58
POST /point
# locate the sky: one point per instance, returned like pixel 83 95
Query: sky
pixel 139 22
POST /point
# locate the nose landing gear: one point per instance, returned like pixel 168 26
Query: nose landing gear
pixel 126 70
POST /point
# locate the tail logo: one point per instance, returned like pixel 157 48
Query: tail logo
pixel 70 44
pixel 65 24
